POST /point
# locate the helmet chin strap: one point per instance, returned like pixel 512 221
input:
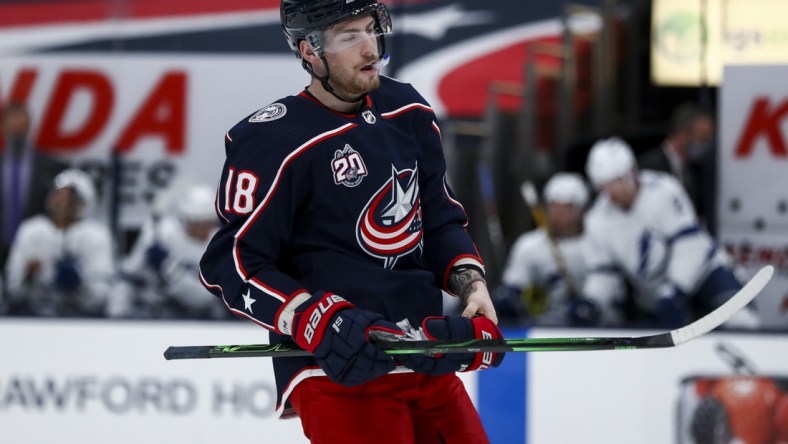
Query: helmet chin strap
pixel 324 81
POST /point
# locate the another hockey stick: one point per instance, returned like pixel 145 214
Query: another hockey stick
pixel 660 340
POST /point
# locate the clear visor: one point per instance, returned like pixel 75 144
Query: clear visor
pixel 342 37
pixel 331 41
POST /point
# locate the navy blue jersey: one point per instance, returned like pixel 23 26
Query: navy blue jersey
pixel 357 204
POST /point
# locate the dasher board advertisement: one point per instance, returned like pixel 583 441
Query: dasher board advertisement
pixel 752 202
pixel 165 117
pixel 106 381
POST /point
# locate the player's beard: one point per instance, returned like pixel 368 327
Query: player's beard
pixel 350 82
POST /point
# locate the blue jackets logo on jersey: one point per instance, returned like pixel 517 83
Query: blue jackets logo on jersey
pixel 269 113
pixel 348 167
pixel 390 226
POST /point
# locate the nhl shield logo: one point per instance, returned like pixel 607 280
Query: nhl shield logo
pixel 269 113
pixel 369 117
pixel 348 167
pixel 390 226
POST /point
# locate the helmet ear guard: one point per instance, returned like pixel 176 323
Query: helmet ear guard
pixel 315 40
pixel 383 19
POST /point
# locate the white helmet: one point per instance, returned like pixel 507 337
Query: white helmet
pixel 566 188
pixel 82 184
pixel 197 204
pixel 609 159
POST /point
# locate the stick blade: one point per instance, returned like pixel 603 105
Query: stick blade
pixel 726 310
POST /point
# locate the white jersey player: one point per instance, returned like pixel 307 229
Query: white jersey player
pixel 642 227
pixel 62 264
pixel 161 277
pixel 547 266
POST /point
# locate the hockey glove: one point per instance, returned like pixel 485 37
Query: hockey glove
pixel 155 256
pixel 67 276
pixel 455 328
pixel 673 307
pixel 335 332
pixel 584 312
pixel 508 303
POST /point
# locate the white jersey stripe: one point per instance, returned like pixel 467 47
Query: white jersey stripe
pixel 405 108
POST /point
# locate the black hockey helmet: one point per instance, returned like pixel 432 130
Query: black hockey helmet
pixel 301 18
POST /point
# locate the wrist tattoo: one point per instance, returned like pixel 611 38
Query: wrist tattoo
pixel 461 281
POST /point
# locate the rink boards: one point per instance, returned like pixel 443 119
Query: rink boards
pixel 106 381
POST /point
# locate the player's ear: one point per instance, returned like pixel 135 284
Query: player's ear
pixel 310 56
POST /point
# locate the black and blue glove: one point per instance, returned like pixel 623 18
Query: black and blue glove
pixel 584 312
pixel 155 256
pixel 335 332
pixel 67 276
pixel 508 302
pixel 674 308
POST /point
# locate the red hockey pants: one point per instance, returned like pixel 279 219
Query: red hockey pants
pixel 401 408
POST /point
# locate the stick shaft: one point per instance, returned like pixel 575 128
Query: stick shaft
pixel 433 347
pixel 660 340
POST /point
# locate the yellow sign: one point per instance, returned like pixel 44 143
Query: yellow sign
pixel 691 40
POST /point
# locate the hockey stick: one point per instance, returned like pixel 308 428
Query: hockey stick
pixel 660 340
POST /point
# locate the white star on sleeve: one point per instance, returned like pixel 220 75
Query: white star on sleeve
pixel 248 300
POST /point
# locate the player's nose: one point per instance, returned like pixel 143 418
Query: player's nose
pixel 369 46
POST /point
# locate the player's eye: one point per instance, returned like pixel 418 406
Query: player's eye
pixel 342 40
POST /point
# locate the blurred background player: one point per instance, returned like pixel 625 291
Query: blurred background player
pixel 61 264
pixel 160 274
pixel 642 227
pixel 27 175
pixel 546 267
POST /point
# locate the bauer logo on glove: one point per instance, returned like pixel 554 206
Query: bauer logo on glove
pixel 487 357
pixel 328 304
pixel 335 332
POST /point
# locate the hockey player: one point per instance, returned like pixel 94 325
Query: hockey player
pixel 339 227
pixel 160 272
pixel 642 227
pixel 62 264
pixel 546 267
